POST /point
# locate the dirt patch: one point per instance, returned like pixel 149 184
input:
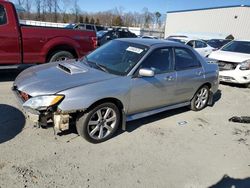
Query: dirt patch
pixel 27 174
pixel 2 165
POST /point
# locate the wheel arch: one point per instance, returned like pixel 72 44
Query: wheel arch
pixel 206 84
pixel 113 100
pixel 210 99
pixel 61 47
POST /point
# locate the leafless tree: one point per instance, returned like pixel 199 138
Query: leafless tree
pixel 38 4
pixel 27 6
pixel 56 8
pixel 68 11
pixel 76 10
pixel 20 2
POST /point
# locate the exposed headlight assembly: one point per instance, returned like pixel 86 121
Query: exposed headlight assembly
pixel 43 102
pixel 245 65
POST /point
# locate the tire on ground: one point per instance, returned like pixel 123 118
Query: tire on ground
pixel 193 101
pixel 83 120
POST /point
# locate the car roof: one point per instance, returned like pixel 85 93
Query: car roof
pixel 187 39
pixel 152 42
pixel 242 40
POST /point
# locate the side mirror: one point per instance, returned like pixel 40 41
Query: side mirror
pixel 146 73
pixel 108 38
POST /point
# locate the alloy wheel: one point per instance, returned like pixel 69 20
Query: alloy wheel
pixel 102 123
pixel 201 98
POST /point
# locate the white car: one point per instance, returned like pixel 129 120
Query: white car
pixel 234 62
pixel 200 46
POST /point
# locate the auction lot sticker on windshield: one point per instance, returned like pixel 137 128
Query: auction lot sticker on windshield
pixel 135 50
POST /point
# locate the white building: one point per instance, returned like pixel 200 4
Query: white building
pixel 219 21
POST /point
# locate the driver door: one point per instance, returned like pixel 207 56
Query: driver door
pixel 148 93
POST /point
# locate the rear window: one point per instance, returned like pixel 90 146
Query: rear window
pixel 238 46
pixel 89 27
pixel 3 19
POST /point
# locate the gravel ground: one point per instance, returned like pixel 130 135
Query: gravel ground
pixel 207 151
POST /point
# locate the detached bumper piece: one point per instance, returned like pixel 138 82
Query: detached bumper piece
pixel 61 121
pixel 242 119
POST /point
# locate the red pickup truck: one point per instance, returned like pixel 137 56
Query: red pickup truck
pixel 23 44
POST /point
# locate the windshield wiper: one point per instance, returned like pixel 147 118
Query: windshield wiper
pixel 101 67
pixel 94 64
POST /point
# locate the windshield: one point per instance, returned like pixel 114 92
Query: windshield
pixel 217 43
pixel 117 57
pixel 238 46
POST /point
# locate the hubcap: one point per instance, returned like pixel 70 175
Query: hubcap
pixel 102 123
pixel 63 58
pixel 201 98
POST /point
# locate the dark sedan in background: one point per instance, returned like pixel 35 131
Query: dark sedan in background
pixel 217 43
pixel 107 35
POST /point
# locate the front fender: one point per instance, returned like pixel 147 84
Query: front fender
pixel 81 98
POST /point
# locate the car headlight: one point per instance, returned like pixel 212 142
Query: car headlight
pixel 245 65
pixel 43 102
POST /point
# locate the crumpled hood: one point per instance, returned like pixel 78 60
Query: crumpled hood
pixel 229 56
pixel 52 78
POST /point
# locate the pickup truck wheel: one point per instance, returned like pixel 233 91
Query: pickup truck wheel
pixel 61 56
pixel 100 123
pixel 200 99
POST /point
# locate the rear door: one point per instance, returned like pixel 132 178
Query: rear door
pixel 152 92
pixel 190 74
pixel 9 36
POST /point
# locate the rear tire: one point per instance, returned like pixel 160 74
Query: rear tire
pixel 61 56
pixel 200 99
pixel 100 123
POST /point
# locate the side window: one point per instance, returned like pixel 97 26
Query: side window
pixel 3 19
pixel 200 44
pixel 185 59
pixel 160 61
pixel 191 43
pixel 89 27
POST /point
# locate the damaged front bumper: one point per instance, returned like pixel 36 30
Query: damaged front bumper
pixel 41 118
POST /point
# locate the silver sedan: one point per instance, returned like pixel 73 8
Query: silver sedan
pixel 124 80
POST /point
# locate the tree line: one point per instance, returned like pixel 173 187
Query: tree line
pixel 69 11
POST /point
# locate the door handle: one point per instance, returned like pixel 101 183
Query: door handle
pixel 169 78
pixel 199 73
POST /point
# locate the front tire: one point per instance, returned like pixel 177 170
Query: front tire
pixel 100 123
pixel 200 99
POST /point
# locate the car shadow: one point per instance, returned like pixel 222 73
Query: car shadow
pixel 12 122
pixel 217 96
pixel 229 182
pixel 9 75
pixel 133 125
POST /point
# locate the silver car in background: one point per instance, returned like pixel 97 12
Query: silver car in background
pixel 124 80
